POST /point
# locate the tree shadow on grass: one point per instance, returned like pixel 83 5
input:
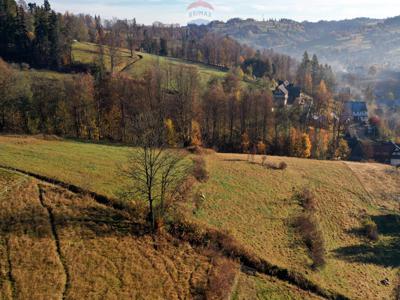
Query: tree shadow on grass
pixel 385 252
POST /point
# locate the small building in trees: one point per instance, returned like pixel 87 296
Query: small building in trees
pixel 356 111
pixel 287 93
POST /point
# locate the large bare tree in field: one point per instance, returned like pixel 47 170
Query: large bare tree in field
pixel 154 170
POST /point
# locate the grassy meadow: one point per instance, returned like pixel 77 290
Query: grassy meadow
pixel 94 167
pixel 258 205
pixel 255 204
pixel 136 66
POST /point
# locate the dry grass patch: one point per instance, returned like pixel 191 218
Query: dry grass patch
pixel 101 253
pixel 33 267
pixel 380 181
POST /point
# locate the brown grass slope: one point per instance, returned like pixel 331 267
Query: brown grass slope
pixel 100 255
pixel 121 222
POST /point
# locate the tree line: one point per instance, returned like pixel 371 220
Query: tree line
pixel 34 34
pixel 37 35
pixel 228 114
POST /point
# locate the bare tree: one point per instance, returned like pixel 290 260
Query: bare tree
pixel 156 172
pixel 131 35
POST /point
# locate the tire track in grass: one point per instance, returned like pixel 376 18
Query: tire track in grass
pixel 56 240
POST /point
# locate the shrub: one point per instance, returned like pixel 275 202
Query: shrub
pixel 307 200
pixel 263 160
pixel 308 227
pixel 222 279
pixel 370 229
pixel 282 166
pixel 199 170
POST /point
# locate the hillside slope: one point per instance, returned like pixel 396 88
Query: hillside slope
pixel 343 44
pixel 136 66
pixel 255 204
pixel 258 207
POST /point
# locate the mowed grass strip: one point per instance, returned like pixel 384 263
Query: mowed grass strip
pixel 258 206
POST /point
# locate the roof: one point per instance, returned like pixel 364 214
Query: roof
pixel 357 106
pixel 200 3
pixel 283 89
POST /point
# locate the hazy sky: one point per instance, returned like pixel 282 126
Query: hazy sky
pixel 174 11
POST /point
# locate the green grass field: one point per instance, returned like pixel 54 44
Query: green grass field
pixel 95 167
pixel 257 206
pixel 87 53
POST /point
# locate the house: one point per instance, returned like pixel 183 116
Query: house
pixel 395 159
pixel 356 111
pixel 387 152
pixel 286 93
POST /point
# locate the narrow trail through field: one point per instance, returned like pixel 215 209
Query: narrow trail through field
pixel 56 240
pixel 140 57
pixel 259 265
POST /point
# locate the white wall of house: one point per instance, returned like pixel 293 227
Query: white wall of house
pixel 395 162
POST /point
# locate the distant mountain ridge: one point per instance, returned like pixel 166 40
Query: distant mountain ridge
pixel 346 44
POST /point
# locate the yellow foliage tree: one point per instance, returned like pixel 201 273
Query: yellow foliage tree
pixel 305 146
pixel 245 143
pixel 261 147
pixel 171 133
pixel 294 143
pixel 196 134
pixel 343 151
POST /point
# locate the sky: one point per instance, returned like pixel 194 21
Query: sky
pixel 174 11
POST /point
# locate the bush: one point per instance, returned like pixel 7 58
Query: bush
pixel 307 225
pixel 199 170
pixel 370 229
pixel 282 166
pixel 263 160
pixel 307 200
pixel 222 279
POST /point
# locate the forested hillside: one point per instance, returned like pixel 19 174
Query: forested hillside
pixel 344 44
